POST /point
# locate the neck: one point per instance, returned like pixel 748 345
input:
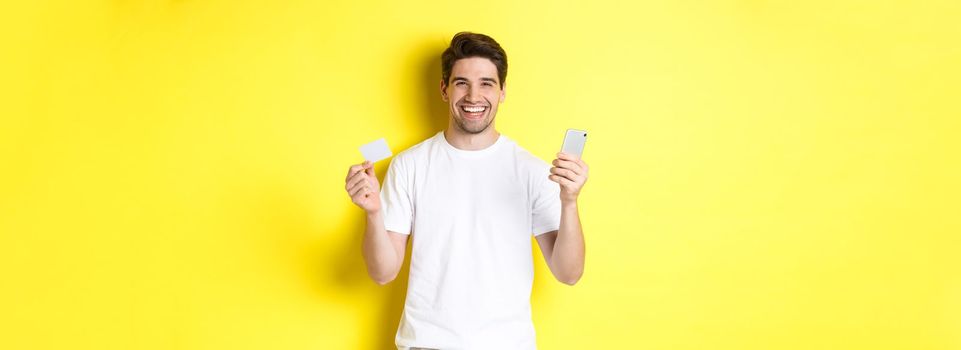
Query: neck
pixel 470 142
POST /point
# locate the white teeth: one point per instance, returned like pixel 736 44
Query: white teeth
pixel 475 109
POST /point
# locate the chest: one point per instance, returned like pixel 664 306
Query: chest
pixel 472 191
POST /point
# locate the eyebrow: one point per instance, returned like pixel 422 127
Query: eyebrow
pixel 482 79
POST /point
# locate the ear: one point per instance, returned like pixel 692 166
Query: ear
pixel 504 93
pixel 443 90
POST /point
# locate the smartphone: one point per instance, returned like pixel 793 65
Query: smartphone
pixel 574 142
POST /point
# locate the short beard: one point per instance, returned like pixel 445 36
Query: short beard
pixel 463 126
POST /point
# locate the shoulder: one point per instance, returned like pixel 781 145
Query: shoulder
pixel 528 160
pixel 413 153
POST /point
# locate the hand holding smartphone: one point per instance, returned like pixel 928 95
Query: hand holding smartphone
pixel 569 170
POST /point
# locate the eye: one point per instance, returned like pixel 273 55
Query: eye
pixel 460 83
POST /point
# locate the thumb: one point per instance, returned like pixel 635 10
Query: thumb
pixel 369 168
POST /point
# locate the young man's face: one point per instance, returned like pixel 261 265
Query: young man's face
pixel 473 93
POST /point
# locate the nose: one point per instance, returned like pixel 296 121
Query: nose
pixel 472 95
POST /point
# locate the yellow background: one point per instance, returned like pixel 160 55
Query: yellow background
pixel 765 174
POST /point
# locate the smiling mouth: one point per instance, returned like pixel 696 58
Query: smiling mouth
pixel 473 112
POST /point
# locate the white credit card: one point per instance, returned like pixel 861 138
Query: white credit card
pixel 376 151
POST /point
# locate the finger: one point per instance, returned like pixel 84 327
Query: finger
pixel 567 156
pixel 567 173
pixel 581 163
pixel 566 164
pixel 363 193
pixel 359 168
pixel 563 181
pixel 360 176
pixel 369 168
pixel 363 182
pixel 354 169
pixel 357 188
pixel 354 189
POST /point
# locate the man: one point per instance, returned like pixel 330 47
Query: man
pixel 471 198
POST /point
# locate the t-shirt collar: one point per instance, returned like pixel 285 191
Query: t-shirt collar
pixel 501 139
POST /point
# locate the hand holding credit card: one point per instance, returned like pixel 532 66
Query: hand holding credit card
pixel 361 182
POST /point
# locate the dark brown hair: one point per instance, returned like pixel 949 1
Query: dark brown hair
pixel 467 45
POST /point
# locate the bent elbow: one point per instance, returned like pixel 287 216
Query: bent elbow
pixel 383 279
pixel 571 279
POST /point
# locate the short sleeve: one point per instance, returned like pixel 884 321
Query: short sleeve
pixel 545 203
pixel 395 197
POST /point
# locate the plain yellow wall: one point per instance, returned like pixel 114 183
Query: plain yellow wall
pixel 765 174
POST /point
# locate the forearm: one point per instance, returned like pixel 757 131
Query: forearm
pixel 379 254
pixel 568 254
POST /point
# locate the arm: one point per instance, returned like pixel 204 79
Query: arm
pixel 383 250
pixel 564 249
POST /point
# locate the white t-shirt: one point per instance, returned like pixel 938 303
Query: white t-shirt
pixel 472 214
